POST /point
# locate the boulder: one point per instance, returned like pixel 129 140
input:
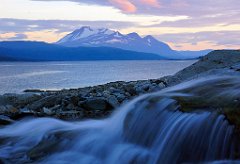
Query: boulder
pixel 96 104
pixel 130 89
pixel 70 115
pixel 47 102
pixel 113 101
pixel 8 110
pixel 4 120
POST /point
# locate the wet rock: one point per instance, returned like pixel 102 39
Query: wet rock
pixel 25 99
pixel 120 97
pixel 70 115
pixel 113 101
pixel 4 120
pixel 236 67
pixel 47 111
pixel 115 91
pixel 128 95
pixel 140 89
pixel 70 107
pixel 154 88
pixel 19 99
pixel 161 85
pixel 3 101
pixel 3 109
pixel 47 102
pixel 106 94
pixel 44 148
pixel 9 98
pixel 26 112
pixel 52 111
pixel 96 104
pixel 130 89
pixel 8 110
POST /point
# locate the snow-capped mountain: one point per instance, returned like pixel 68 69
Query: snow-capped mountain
pixel 85 32
pixel 90 37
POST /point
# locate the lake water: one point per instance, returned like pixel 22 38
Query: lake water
pixel 18 76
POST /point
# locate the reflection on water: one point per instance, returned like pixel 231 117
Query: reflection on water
pixel 18 76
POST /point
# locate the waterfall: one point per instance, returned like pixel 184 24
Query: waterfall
pixel 150 129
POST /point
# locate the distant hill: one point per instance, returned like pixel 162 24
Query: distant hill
pixel 40 51
pixel 194 54
pixel 6 58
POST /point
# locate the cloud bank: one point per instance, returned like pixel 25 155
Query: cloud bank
pixel 182 23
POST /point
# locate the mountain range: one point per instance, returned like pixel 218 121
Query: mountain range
pixel 87 43
pixel 103 37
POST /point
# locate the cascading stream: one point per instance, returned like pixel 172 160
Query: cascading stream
pixel 150 129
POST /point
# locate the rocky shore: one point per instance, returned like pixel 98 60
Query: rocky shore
pixel 100 101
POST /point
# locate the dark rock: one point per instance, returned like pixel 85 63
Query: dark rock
pixel 154 87
pixel 106 94
pixel 4 120
pixel 120 97
pixel 70 107
pixel 47 102
pixel 130 89
pixel 236 67
pixel 19 99
pixel 47 111
pixel 161 85
pixel 113 101
pixel 8 110
pixel 70 115
pixel 74 100
pixel 3 109
pixel 9 98
pixel 43 148
pixel 115 91
pixel 96 104
pixel 25 99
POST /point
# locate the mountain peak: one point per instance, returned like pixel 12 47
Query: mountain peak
pixel 86 27
pixel 133 35
pixel 104 37
pixel 149 37
pixel 85 32
pixel 83 28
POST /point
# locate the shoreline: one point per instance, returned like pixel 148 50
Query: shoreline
pixel 99 101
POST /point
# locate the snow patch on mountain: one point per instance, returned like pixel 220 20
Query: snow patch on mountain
pixel 85 32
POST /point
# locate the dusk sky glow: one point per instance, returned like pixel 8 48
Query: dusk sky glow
pixel 183 24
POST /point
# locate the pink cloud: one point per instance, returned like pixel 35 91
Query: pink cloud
pixel 124 5
pixel 153 3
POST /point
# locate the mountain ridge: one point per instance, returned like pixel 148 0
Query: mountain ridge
pixel 103 37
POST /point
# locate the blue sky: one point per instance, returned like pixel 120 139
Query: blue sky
pixel 183 24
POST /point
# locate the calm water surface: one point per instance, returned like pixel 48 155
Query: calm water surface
pixel 18 76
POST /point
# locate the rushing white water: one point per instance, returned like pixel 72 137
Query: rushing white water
pixel 150 129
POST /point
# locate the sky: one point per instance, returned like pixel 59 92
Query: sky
pixel 183 24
